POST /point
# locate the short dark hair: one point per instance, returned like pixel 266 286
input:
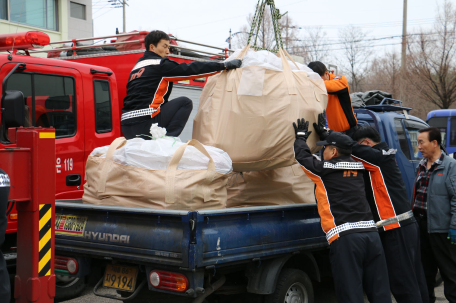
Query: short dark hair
pixel 154 37
pixel 318 67
pixel 341 151
pixel 367 132
pixel 433 133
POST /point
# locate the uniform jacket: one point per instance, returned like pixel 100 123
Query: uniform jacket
pixel 339 191
pixel 385 188
pixel 339 111
pixel 150 81
pixel 441 203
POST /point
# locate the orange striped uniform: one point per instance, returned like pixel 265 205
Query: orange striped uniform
pixel 385 187
pixel 151 82
pixel 339 191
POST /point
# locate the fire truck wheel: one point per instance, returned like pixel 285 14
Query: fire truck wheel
pixel 292 286
pixel 68 287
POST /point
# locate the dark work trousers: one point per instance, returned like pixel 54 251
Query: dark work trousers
pixel 437 252
pixel 357 262
pixel 403 258
pixel 173 116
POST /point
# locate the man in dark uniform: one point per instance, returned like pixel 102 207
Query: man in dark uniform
pixel 150 85
pixel 387 197
pixel 356 252
pixel 5 288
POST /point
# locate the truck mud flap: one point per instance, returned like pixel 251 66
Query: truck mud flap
pixel 134 294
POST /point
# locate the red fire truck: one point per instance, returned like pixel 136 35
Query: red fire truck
pixel 78 90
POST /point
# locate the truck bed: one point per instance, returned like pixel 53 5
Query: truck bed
pixel 187 239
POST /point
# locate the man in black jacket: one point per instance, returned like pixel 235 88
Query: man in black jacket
pixel 399 232
pixel 356 252
pixel 150 85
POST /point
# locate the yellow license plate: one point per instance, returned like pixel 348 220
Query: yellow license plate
pixel 120 277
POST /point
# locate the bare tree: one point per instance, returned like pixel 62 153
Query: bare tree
pixel 384 74
pixel 431 67
pixel 266 38
pixel 313 47
pixel 355 57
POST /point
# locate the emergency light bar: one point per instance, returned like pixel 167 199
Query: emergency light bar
pixel 24 41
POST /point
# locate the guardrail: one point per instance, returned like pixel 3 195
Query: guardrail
pixel 179 48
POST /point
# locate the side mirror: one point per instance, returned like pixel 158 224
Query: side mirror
pixel 13 109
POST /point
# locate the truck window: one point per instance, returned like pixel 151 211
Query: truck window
pixel 412 128
pixel 403 143
pixel 22 82
pixel 441 124
pixel 452 133
pixel 50 100
pixel 103 120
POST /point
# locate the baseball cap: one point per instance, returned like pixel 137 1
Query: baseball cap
pixel 338 140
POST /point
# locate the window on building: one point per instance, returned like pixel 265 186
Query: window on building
pixel 77 10
pixel 39 13
pixel 4 9
pixel 103 120
pixel 49 101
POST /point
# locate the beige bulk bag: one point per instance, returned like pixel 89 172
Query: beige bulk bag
pixel 111 183
pixel 284 185
pixel 248 112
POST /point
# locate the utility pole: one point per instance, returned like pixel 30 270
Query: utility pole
pixel 123 4
pixel 229 47
pixel 124 16
pixel 286 37
pixel 404 52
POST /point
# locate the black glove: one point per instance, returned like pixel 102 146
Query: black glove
pixel 302 129
pixel 232 64
pixel 320 129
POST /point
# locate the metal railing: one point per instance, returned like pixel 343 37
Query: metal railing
pixel 178 48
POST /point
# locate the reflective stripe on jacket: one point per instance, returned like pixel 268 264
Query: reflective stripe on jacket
pixel 385 188
pixel 339 192
pixel 150 81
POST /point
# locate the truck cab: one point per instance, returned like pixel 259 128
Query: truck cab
pixel 445 121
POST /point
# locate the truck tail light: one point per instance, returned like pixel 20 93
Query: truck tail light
pixel 24 40
pixel 13 216
pixel 67 264
pixel 168 281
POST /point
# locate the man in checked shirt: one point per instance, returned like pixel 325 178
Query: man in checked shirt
pixel 434 207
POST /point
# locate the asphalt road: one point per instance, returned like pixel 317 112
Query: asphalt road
pixel 324 293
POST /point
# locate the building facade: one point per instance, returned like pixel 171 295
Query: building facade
pixel 60 19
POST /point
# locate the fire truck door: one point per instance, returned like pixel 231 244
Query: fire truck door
pixel 53 97
pixel 194 93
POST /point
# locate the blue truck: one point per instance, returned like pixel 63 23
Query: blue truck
pixel 445 120
pixel 269 254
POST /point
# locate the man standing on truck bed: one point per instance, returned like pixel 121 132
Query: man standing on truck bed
pixel 340 114
pixel 150 85
pixel 387 197
pixel 356 253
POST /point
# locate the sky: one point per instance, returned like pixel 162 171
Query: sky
pixel 209 21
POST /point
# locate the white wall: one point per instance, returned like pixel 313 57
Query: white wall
pixel 78 28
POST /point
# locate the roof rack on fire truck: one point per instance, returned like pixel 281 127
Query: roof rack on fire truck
pixel 124 40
